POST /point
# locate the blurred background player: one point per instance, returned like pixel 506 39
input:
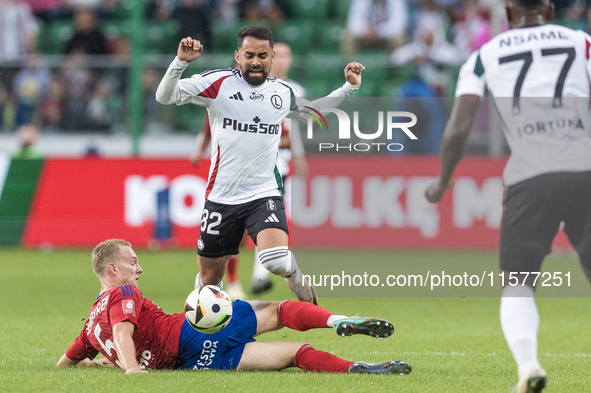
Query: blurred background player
pixel 27 135
pixel 375 24
pixel 539 75
pixel 88 36
pixel 123 326
pixel 429 52
pixel 18 30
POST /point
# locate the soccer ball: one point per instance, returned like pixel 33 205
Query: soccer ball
pixel 208 309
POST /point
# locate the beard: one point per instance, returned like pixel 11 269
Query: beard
pixel 255 80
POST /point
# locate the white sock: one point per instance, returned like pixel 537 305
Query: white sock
pixel 333 318
pixel 199 283
pixel 258 270
pixel 520 321
pixel 296 280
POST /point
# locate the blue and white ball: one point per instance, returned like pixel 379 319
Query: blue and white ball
pixel 208 309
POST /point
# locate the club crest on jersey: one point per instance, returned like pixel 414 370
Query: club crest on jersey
pixel 200 244
pixel 276 101
pixel 271 205
pixel 128 307
pixel 257 96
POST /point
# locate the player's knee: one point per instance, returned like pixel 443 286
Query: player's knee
pixel 277 260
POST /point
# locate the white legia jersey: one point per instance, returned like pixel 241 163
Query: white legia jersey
pixel 245 125
pixel 540 80
pixel 293 127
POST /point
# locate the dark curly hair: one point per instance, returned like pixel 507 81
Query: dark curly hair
pixel 258 32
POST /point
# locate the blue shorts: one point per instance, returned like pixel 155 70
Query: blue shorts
pixel 221 350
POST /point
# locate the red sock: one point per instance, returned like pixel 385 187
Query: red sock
pixel 302 316
pixel 231 269
pixel 309 359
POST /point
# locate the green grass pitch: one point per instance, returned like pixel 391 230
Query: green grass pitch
pixel 454 344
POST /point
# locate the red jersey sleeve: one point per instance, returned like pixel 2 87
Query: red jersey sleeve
pixel 125 305
pixel 81 349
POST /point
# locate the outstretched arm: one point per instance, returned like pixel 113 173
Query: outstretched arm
pixel 80 353
pixel 67 362
pixel 123 340
pixel 188 50
pixel 334 99
pixel 453 144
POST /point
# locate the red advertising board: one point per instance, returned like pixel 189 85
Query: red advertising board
pixel 82 202
pixel 378 202
pixel 347 202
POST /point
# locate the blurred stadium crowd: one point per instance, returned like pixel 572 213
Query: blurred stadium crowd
pixel 64 63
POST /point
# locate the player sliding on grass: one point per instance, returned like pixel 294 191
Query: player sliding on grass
pixel 134 334
pixel 539 75
pixel 246 109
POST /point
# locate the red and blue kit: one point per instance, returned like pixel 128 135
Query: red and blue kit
pixel 156 335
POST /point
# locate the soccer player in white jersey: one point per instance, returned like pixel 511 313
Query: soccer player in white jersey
pixel 245 109
pixel 539 76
